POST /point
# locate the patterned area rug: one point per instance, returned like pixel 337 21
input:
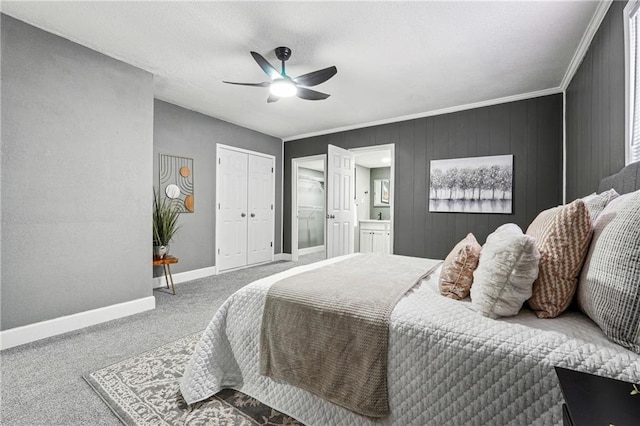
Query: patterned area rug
pixel 144 390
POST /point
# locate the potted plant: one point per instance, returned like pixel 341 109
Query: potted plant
pixel 165 223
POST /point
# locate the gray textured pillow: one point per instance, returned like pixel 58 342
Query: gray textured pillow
pixel 597 202
pixel 506 271
pixel 609 288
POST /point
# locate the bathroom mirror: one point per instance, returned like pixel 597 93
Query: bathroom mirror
pixel 381 192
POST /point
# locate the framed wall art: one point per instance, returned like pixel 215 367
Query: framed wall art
pixel 472 185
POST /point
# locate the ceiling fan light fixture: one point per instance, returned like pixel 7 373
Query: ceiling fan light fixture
pixel 283 88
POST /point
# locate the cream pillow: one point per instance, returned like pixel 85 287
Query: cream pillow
pixel 507 268
pixel 562 236
pixel 609 289
pixel 597 202
pixel 456 275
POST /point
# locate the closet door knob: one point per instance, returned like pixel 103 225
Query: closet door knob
pixel 253 215
pixel 243 214
pixel 331 216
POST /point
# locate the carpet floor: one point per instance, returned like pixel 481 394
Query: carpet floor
pixel 41 382
pixel 145 390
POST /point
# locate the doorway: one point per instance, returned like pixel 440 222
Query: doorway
pixel 374 198
pixel 308 203
pixel 373 189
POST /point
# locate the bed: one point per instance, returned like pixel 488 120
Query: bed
pixel 447 364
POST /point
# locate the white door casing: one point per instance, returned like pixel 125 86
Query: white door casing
pixel 232 209
pixel 340 203
pixel 261 214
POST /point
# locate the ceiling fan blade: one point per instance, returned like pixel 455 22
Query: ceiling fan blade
pixel 266 66
pixel 272 98
pixel 311 95
pixel 316 77
pixel 264 84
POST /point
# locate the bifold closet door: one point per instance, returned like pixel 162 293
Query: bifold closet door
pixel 260 199
pixel 232 209
pixel 245 207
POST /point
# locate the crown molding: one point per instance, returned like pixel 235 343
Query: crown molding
pixel 585 42
pixel 457 108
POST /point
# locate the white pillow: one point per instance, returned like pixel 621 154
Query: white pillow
pixel 506 271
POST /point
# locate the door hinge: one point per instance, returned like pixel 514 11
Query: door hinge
pixel 271 243
pixel 218 251
pixel 219 161
pixel 271 206
pixel 218 206
pixel 272 170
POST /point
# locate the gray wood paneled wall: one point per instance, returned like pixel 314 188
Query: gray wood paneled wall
pixel 531 130
pixel 595 109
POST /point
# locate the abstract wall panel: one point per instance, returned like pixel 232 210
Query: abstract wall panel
pixel 176 180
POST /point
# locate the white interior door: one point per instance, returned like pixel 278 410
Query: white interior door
pixel 261 214
pixel 232 209
pixel 340 203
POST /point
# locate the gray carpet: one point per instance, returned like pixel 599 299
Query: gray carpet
pixel 42 381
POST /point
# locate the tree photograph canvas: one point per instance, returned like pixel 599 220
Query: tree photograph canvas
pixel 472 185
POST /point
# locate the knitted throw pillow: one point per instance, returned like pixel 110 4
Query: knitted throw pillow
pixel 562 236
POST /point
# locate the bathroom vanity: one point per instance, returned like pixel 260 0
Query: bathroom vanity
pixel 375 236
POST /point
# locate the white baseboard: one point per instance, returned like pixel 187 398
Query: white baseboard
pixel 30 333
pixel 282 256
pixel 182 277
pixel 211 270
pixel 309 250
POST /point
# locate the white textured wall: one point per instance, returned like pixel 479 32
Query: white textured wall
pixel 77 143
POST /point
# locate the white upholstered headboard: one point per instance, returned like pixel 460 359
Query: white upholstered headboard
pixel 626 180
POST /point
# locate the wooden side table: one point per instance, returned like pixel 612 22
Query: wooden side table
pixel 596 400
pixel 166 266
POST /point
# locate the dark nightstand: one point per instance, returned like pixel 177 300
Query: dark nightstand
pixel 594 400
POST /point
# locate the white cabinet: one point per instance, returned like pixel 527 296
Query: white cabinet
pixel 245 202
pixel 375 236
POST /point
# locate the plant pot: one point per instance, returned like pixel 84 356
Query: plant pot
pixel 160 252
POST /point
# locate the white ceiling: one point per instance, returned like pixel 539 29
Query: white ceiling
pixel 394 59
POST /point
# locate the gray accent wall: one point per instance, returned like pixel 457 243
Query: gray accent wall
pixel 530 129
pixel 77 148
pixel 595 109
pixel 185 133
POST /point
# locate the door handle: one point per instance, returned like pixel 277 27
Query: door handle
pixel 331 216
pixel 243 214
pixel 253 215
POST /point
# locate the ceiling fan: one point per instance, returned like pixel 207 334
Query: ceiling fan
pixel 282 86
